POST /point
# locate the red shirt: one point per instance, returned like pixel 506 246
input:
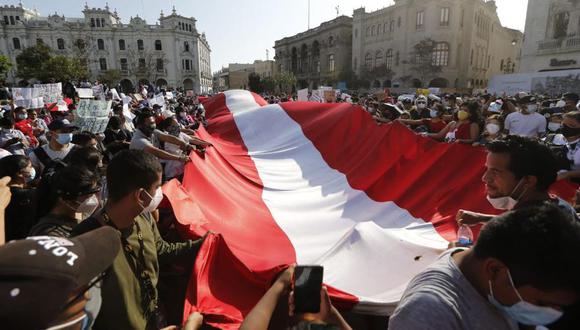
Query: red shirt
pixel 25 127
pixel 463 131
pixel 434 127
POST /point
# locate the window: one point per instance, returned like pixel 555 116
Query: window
pixel 444 19
pixel 124 64
pixel 102 22
pixel 392 27
pixel 368 61
pixel 397 59
pixel 98 22
pixel 389 63
pixel 385 27
pixel 441 54
pixel 16 43
pixel 6 21
pixel 159 65
pixel 331 63
pixel 501 65
pixel 92 22
pixel 39 41
pixel 317 66
pixel 12 22
pixel 100 44
pixel 420 19
pixel 379 59
pixel 140 44
pixel 330 41
pixel 186 46
pixel 158 45
pixel 60 43
pixel 121 44
pixel 17 18
pixel 103 63
pixel 188 65
pixel 141 63
pixel 378 29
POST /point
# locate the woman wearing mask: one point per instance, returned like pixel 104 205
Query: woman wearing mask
pixel 492 132
pixel 20 215
pixel 571 134
pixel 434 124
pixel 466 128
pixel 75 189
pixel 555 123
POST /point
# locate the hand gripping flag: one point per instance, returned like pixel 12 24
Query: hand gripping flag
pixel 313 183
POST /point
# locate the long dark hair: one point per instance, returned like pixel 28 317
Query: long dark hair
pixel 474 109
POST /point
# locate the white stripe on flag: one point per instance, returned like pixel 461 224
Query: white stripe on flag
pixel 368 249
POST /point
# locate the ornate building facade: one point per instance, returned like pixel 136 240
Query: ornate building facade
pixel 170 53
pixel 318 56
pixel 552 36
pixel 464 40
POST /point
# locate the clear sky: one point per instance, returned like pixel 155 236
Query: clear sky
pixel 240 31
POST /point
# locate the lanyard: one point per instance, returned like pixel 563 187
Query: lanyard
pixel 137 264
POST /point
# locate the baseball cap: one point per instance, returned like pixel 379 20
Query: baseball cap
pixel 39 274
pixel 60 124
pixel 527 99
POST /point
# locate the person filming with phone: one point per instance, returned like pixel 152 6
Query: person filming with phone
pixel 308 304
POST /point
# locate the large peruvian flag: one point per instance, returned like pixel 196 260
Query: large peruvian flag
pixel 312 183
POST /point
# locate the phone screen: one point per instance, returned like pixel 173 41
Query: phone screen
pixel 307 286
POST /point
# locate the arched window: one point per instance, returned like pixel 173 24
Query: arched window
pixel 158 45
pixel 16 43
pixel 379 59
pixel 331 64
pixel 369 61
pixel 100 44
pixel 140 44
pixel 389 63
pixel 441 54
pixel 60 43
pixel 186 46
pixel 330 41
pixel 121 44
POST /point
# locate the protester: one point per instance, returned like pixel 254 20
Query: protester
pixel 86 139
pixel 44 280
pixel 12 139
pixel 129 294
pixel 23 124
pixel 527 122
pixel 493 131
pixel 434 124
pixel 502 281
pixel 20 215
pixel 465 129
pixel 571 136
pixel 60 144
pixel 519 172
pixel 39 126
pixel 74 196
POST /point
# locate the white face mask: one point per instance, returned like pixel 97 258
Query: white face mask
pixel 492 128
pixel 553 127
pixel 506 202
pixel 532 108
pixel 421 105
pixel 433 113
pixel 155 201
pixel 524 312
pixel 89 206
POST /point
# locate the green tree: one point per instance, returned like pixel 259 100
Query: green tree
pixel 61 68
pixel 31 61
pixel 5 66
pixel 286 81
pixel 269 84
pixel 110 77
pixel 255 83
pixel 421 60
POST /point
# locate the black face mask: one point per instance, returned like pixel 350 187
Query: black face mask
pixel 148 130
pixel 568 131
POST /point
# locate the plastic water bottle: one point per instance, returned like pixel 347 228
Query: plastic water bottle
pixel 465 235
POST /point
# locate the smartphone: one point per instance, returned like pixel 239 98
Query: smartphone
pixel 307 286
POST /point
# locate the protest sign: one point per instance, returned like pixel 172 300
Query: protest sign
pixel 169 95
pixel 22 97
pixel 50 93
pixel 85 93
pixel 37 103
pixel 115 94
pixel 99 92
pixel 316 96
pixel 92 115
pixel 303 94
pixel 138 97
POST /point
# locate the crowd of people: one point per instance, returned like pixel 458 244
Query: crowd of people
pixel 89 243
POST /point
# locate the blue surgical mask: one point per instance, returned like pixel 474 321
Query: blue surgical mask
pixel 64 138
pixel 524 312
pixel 434 113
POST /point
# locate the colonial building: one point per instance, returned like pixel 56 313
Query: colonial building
pixel 236 75
pixel 552 36
pixel 170 53
pixel 318 56
pixel 433 43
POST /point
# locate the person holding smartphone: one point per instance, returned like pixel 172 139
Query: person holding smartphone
pixel 260 316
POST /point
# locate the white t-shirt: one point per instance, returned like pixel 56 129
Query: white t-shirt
pixel 530 125
pixel 53 154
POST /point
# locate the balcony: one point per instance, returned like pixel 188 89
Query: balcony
pixel 564 45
